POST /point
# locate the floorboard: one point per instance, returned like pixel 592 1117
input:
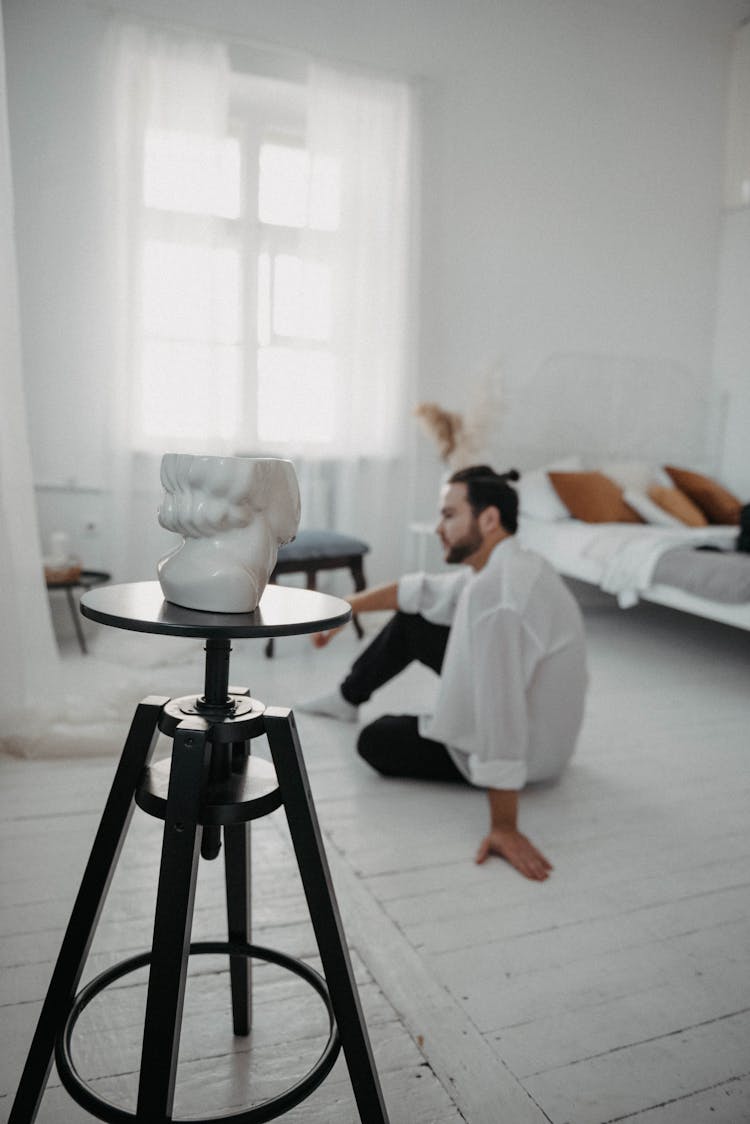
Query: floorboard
pixel 618 990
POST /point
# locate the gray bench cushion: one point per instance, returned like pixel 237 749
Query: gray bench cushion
pixel 321 544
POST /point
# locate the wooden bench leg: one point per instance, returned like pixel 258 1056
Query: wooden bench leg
pixel 356 568
pixel 358 575
pixel 312 584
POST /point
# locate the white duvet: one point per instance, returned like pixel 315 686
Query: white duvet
pixel 619 557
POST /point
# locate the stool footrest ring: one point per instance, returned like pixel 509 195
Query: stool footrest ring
pixel 257 1114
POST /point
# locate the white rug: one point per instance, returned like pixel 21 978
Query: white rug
pixel 88 710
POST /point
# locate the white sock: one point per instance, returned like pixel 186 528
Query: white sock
pixel 332 705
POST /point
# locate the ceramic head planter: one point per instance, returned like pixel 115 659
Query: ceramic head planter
pixel 233 513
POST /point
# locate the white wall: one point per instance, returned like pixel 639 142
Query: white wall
pixel 571 186
pixel 732 351
pixel 732 358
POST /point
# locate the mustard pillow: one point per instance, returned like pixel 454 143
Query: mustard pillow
pixel 676 503
pixel 592 497
pixel 716 503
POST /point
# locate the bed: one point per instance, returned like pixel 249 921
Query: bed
pixel 640 562
pixel 624 419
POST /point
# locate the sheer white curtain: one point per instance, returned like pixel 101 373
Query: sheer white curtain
pixel 175 353
pixel 48 707
pixel 363 125
pixel 366 125
pixel 189 356
pixel 737 149
pixel 29 663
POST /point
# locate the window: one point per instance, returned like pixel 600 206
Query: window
pixel 200 328
pixel 191 353
pixel 263 275
pixel 293 364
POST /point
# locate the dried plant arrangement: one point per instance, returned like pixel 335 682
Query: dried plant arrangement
pixel 461 439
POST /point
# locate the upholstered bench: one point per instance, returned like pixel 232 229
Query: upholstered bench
pixel 312 551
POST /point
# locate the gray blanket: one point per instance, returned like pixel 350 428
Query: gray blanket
pixel 717 575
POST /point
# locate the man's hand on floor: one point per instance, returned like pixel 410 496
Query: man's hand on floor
pixel 519 851
pixel 321 639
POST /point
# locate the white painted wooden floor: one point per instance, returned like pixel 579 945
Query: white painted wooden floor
pixel 617 991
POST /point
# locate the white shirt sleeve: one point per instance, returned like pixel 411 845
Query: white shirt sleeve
pixel 434 596
pixel 500 660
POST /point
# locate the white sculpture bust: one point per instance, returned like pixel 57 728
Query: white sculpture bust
pixel 233 513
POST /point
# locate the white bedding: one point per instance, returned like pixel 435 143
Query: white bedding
pixel 618 557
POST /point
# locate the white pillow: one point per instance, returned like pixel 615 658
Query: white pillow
pixel 537 498
pixel 648 510
pixel 638 475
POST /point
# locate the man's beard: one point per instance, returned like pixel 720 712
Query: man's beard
pixel 465 547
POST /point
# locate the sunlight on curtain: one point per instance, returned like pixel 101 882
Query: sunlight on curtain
pixel 179 265
pixel 263 287
pixel 362 125
pixel 178 291
pixel 48 707
pixel 29 662
pixel 361 137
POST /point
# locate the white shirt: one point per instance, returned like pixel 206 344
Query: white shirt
pixel 513 682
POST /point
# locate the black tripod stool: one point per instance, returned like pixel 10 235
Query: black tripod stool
pixel 210 785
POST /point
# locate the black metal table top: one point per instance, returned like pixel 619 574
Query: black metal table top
pixel 283 611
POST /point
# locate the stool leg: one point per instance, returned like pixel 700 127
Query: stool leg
pixel 321 900
pixel 358 575
pixel 191 755
pixel 237 875
pixel 97 876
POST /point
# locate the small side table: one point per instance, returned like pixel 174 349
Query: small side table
pixel 210 788
pixel 87 579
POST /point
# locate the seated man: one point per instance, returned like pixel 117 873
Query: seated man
pixel 505 636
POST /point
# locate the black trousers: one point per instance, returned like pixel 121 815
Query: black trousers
pixel 392 744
